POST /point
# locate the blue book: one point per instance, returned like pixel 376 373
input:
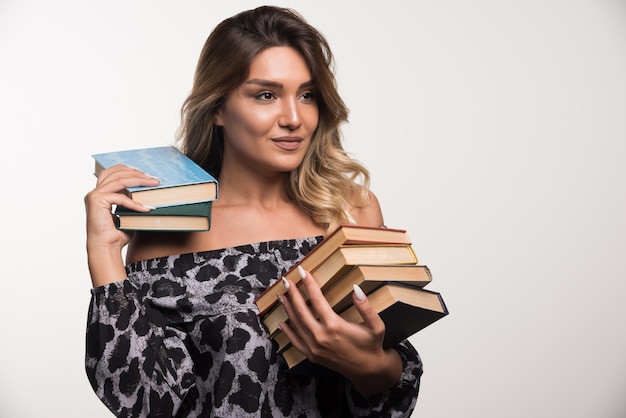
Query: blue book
pixel 182 180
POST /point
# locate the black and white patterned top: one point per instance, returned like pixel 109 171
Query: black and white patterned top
pixel 181 338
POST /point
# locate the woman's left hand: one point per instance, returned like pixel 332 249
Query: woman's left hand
pixel 354 350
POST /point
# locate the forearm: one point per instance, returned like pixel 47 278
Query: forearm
pixel 105 265
pixel 398 400
pixel 118 318
pixel 381 376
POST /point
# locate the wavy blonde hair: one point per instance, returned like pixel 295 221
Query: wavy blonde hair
pixel 328 182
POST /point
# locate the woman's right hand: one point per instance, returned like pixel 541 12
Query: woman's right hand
pixel 104 240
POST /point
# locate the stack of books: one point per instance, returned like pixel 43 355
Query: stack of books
pixel 182 200
pixel 379 260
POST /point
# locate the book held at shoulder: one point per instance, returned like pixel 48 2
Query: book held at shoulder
pixel 182 200
pixel 180 218
pixel 182 181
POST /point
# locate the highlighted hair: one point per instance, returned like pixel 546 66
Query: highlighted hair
pixel 328 182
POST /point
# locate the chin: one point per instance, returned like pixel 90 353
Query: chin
pixel 287 166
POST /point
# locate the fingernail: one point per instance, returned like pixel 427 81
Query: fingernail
pixel 286 283
pixel 280 298
pixel 149 207
pixel 302 272
pixel 358 292
pixel 278 326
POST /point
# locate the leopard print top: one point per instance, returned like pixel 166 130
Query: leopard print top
pixel 181 338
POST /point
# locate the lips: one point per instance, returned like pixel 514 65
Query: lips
pixel 288 143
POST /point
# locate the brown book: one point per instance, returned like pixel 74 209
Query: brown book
pixel 342 260
pixel 368 277
pixel 404 309
pixel 281 339
pixel 343 235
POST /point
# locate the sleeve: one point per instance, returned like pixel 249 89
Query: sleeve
pixel 398 401
pixel 136 364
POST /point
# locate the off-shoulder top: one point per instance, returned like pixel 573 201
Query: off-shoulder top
pixel 180 337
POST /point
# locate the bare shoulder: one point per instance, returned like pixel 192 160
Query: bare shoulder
pixel 148 245
pixel 230 226
pixel 368 212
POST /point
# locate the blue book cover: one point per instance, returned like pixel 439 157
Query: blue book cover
pixel 182 181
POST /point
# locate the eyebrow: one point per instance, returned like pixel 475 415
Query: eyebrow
pixel 274 84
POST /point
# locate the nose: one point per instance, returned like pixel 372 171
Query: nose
pixel 290 117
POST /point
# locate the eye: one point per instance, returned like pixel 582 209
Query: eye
pixel 266 95
pixel 308 96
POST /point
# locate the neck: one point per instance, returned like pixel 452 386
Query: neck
pixel 240 186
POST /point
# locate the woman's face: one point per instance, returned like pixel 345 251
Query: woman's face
pixel 268 121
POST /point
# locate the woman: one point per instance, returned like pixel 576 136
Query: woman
pixel 175 331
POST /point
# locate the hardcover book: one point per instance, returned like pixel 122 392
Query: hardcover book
pixel 368 277
pixel 190 217
pixel 344 235
pixel 182 181
pixel 404 309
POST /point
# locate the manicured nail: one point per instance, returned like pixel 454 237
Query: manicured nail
pixel 286 283
pixel 358 292
pixel 149 207
pixel 302 272
pixel 280 298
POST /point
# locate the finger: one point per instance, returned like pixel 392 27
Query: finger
pixel 112 188
pixel 298 311
pixel 113 170
pixel 319 304
pixel 289 327
pixel 127 178
pixel 97 199
pixel 370 317
pixel 117 168
pixel 295 341
pixel 293 336
pixel 120 177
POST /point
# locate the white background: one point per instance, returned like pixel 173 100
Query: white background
pixel 495 134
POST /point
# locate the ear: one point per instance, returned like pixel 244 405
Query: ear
pixel 217 118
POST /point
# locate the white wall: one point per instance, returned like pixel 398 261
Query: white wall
pixel 495 133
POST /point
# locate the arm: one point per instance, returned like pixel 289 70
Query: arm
pixel 104 241
pixel 132 361
pixel 353 350
pixel 391 364
pixel 399 400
